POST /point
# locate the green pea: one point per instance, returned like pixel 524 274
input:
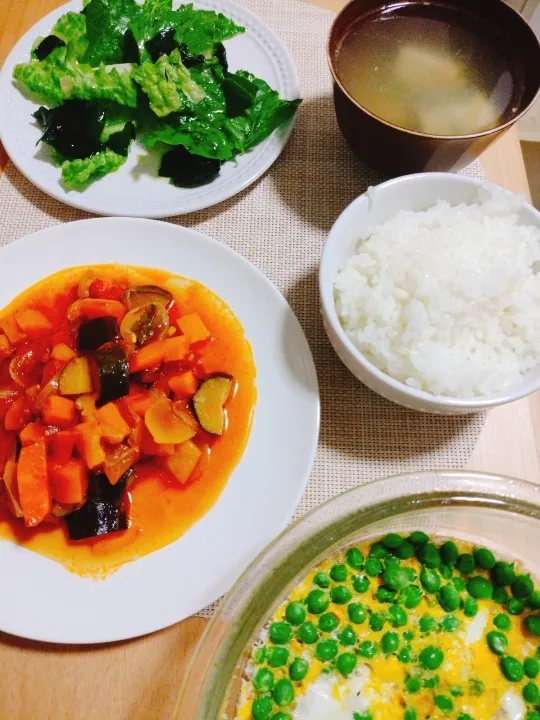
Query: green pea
pixel 354 558
pixel 430 580
pixel 357 613
pixel 259 655
pixel 522 587
pixel 502 573
pixel 470 607
pixel 412 685
pixel 404 655
pixel 328 622
pixel 497 642
pixel 347 636
pixel 444 703
pixel 515 606
pixel 449 553
pixel 449 623
pixel 340 594
pixel 283 693
pixel 409 714
pixel 411 596
pixel 530 693
pixel 261 708
pixel 360 584
pixel 429 555
pixel 298 669
pixel 295 613
pixel 448 597
pixel 376 621
pixel 431 682
pixel 280 633
pixel 538 653
pixel 464 716
pixel 395 578
pixel 367 649
pixel 363 716
pixel 405 551
pixel 534 600
pixel 338 573
pixel 456 691
pixel 277 656
pixel 466 563
pixel 397 617
pixel 263 680
pixel 484 558
pixel 391 561
pixel 346 663
pixel 392 541
pixel 281 716
pixel 326 650
pixel 322 580
pixel 384 595
pixel 500 596
pixel 531 667
pixel 378 550
pixel 445 572
pixel 431 657
pixel 389 642
pixel 476 687
pixel 478 587
pixel 317 602
pixel 418 538
pixel 426 623
pixel 532 623
pixel 307 633
pixel 373 567
pixel 502 622
pixel 533 715
pixel 512 669
pixel 459 584
pixel 408 635
pixel 411 575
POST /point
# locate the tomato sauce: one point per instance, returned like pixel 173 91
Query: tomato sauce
pixel 160 509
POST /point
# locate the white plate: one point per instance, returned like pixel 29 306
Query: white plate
pixel 39 598
pixel 135 189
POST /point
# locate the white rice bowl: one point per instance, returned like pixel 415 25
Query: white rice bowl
pixel 447 300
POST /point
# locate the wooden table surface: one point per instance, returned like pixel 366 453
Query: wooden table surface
pixel 139 679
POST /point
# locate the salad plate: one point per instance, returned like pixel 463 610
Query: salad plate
pixel 39 597
pixel 135 189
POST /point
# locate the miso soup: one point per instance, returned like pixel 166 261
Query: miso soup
pixel 430 69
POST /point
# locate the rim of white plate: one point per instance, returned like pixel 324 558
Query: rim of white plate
pixel 157 197
pixel 39 598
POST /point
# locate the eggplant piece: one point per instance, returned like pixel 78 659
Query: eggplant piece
pixel 163 43
pixel 95 333
pixel 96 517
pixel 139 295
pixel 209 400
pixel 99 487
pixel 110 373
pixel 46 46
pixel 74 128
pixel 187 170
pixel 75 378
pixel 145 323
pixel 120 141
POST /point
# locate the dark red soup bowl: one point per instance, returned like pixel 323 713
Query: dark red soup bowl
pixel 395 150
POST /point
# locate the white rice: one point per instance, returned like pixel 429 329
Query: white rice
pixel 447 300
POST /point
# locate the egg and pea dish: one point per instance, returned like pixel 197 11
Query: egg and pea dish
pixel 401 628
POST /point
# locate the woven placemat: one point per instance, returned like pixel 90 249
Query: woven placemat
pixel 280 224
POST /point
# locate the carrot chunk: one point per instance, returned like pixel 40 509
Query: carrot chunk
pixel 140 402
pixel 69 481
pixel 59 411
pixel 90 308
pixel 11 329
pixel 184 384
pixel 33 483
pixel 184 461
pixel 176 348
pixel 148 357
pixel 113 427
pixel 33 322
pixel 63 353
pixel 18 414
pixel 31 433
pixel 89 444
pixel 192 326
pixel 62 444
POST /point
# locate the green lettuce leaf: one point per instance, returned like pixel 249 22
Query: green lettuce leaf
pixel 76 173
pixel 202 30
pixel 107 22
pixel 168 84
pixel 71 28
pixel 154 8
pixel 56 79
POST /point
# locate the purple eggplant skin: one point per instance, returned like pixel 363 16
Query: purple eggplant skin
pixel 92 334
pixel 96 517
pixel 110 372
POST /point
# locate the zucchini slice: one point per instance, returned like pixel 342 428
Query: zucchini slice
pixel 209 400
